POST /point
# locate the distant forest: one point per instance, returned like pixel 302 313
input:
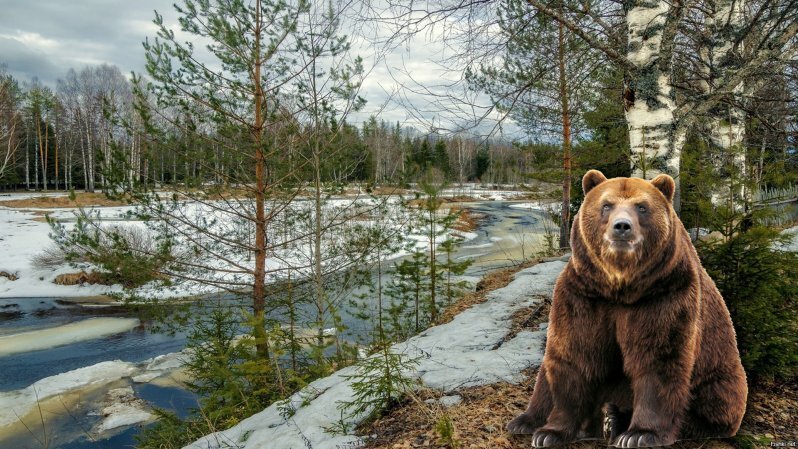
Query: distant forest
pixel 75 135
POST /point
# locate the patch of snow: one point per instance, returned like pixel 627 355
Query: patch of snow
pixel 484 245
pixel 470 350
pixel 66 334
pixel 123 409
pixel 161 365
pixel 166 362
pixel 793 233
pixel 538 207
pixel 146 377
pixel 23 237
pixel 11 196
pixel 446 401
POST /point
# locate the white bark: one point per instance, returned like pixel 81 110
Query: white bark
pixel 654 139
pixel 727 124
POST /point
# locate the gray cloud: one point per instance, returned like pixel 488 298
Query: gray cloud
pixel 25 63
pixel 46 38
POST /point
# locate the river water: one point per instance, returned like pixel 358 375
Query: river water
pixel 506 236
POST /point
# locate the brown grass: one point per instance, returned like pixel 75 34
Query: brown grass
pixel 478 420
pixel 79 278
pixel 388 190
pixel 52 202
pixel 773 410
pixel 467 220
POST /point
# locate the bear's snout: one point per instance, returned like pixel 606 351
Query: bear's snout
pixel 622 229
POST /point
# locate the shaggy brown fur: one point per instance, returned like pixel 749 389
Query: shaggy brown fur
pixel 637 328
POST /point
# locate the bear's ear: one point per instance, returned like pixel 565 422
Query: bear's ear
pixel 665 184
pixel 591 179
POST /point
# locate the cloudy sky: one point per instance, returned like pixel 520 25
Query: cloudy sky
pixel 45 38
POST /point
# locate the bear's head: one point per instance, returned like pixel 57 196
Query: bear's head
pixel 624 223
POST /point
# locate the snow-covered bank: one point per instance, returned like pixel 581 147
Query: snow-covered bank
pixel 470 350
pixel 23 236
pixel 540 206
pixel 63 335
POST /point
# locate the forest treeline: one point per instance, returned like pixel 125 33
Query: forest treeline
pixel 72 135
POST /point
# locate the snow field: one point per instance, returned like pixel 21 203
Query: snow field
pixel 23 235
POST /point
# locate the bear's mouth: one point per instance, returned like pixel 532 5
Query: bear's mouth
pixel 622 244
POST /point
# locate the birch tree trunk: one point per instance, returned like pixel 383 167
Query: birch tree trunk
pixel 727 122
pixel 89 158
pixel 654 139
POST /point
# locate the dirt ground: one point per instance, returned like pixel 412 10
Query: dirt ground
pixel 82 199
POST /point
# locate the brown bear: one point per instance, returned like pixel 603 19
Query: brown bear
pixel 640 344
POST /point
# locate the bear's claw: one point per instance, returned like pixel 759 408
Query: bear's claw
pixel 548 438
pixel 522 425
pixel 640 438
pixel 614 422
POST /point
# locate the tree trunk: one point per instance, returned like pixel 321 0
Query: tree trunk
pixel 27 162
pixel 727 122
pixel 318 281
pixel 432 260
pixel 57 135
pixel 259 284
pixel 565 213
pixel 655 141
pixel 89 159
pixel 85 160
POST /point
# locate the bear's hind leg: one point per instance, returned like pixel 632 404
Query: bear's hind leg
pixel 537 411
pixel 716 409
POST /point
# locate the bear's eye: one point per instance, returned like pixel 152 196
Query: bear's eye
pixel 606 208
pixel 642 209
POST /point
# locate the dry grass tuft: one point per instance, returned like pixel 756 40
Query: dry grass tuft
pixel 79 278
pixel 467 220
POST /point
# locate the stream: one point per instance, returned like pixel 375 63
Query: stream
pixel 506 236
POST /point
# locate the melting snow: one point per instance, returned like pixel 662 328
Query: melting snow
pixel 123 409
pixel 66 334
pixel 18 403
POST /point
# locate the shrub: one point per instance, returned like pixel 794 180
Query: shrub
pixel 759 283
pixel 127 255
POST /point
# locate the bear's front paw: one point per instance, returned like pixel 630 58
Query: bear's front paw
pixel 549 438
pixel 522 424
pixel 641 438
